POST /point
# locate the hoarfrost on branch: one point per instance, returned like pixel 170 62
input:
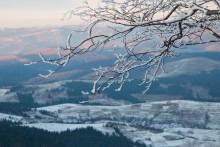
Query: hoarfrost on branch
pixel 145 32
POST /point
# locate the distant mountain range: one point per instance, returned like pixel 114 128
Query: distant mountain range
pixel 20 46
pixel 186 64
pixel 167 115
pixel 19 42
pixel 190 76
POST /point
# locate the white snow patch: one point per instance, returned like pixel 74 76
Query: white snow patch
pixel 60 127
pixel 3 91
pixel 84 93
pixel 9 117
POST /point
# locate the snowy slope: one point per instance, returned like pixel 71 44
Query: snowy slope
pixel 162 124
pixel 178 112
pixel 59 127
pixel 9 117
pixel 190 66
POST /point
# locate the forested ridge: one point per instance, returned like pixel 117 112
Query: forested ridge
pixel 13 135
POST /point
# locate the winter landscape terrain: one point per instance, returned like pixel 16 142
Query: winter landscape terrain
pixel 181 108
pixel 165 123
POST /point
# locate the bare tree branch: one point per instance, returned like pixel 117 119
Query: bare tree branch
pixel 145 31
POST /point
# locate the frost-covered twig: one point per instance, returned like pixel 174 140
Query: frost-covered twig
pixel 143 32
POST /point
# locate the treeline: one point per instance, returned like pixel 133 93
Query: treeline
pixel 74 89
pixel 14 108
pixel 12 135
pixel 129 88
pixel 182 85
pixel 175 86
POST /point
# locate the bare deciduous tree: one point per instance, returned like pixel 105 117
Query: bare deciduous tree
pixel 145 31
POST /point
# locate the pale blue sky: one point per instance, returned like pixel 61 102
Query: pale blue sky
pixel 29 13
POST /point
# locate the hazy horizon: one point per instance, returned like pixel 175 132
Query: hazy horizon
pixel 41 13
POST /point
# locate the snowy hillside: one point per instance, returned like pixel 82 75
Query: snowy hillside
pixel 166 123
pixel 176 113
pixel 9 117
pixel 190 66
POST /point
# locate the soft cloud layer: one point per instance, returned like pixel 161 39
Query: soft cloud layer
pixel 26 13
pixel 213 47
pixel 47 51
pixel 12 57
pixel 31 41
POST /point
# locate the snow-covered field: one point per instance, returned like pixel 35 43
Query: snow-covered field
pixel 183 123
pixel 9 117
pixel 59 127
pixel 3 91
pixel 176 123
pixel 175 137
pixel 178 137
pixel 7 97
pixel 174 112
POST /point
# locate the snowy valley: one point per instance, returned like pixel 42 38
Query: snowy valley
pixel 181 109
pixel 165 123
